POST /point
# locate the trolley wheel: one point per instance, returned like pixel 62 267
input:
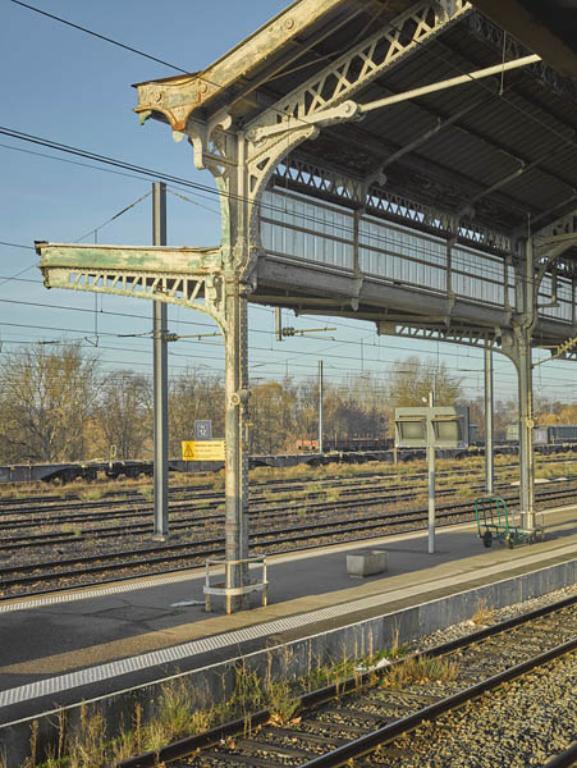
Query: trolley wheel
pixel 487 539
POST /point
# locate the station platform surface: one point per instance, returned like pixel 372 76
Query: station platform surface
pixel 69 646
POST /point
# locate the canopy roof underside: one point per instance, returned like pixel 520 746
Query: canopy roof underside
pixel 503 149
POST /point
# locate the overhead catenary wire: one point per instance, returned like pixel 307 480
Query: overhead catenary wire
pixel 488 269
pixel 60 19
pixel 117 215
pixel 459 70
pixel 133 315
pixel 105 38
pixel 259 331
pixel 254 348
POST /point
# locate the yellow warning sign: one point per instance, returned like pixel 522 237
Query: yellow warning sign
pixel 202 450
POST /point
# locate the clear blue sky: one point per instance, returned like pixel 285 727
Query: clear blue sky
pixel 64 85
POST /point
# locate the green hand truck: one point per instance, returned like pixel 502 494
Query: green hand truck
pixel 493 523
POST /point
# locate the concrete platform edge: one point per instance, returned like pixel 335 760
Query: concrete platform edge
pixel 292 658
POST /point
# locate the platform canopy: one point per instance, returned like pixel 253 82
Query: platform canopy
pixel 500 149
pixel 477 167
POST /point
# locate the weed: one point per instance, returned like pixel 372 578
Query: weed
pixel 69 528
pixel 483 614
pixel 282 702
pixel 88 746
pixel 420 669
pixel 147 492
pixel 91 494
pixel 175 710
pixel 248 695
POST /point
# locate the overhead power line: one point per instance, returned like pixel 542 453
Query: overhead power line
pixel 105 38
pixel 17 245
pixel 114 217
pixel 420 43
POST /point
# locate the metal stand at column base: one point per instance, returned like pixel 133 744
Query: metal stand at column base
pixel 160 537
pixel 229 592
pixel 534 533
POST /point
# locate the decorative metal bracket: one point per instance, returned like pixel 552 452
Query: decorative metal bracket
pixel 191 277
pixel 346 111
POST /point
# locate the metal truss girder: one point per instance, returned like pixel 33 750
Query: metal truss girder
pixel 467 336
pixel 184 276
pixel 553 241
pixel 363 63
pixel 375 199
pixel 510 48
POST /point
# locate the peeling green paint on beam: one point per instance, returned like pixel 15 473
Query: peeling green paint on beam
pixel 161 260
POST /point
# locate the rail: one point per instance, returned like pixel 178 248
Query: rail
pixel 352 749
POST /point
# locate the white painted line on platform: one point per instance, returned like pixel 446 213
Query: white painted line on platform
pixel 104 591
pixel 91 675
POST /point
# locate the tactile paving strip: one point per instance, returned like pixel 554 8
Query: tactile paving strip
pixel 90 675
pixel 87 594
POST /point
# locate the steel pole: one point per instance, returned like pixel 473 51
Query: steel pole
pixel 321 408
pixel 431 488
pixel 160 376
pixel 489 455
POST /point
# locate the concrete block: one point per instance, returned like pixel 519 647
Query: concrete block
pixel 367 563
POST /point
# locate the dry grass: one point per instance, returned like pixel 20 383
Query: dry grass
pixel 483 614
pixel 419 670
pixel 90 745
pixel 260 475
pixel 91 494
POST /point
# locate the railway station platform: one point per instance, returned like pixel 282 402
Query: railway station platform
pixel 66 647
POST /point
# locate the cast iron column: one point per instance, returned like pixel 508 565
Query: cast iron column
pixel 523 362
pixel 526 463
pixel 236 437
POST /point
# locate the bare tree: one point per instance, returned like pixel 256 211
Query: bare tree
pixel 412 380
pixel 272 416
pixel 192 396
pixel 124 413
pixel 46 398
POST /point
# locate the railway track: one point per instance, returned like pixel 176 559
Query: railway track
pixel 187 518
pixel 171 556
pixel 201 509
pixel 49 504
pixel 391 716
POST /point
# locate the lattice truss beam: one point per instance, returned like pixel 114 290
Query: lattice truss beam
pixel 467 336
pixel 312 177
pixel 318 100
pixel 191 277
